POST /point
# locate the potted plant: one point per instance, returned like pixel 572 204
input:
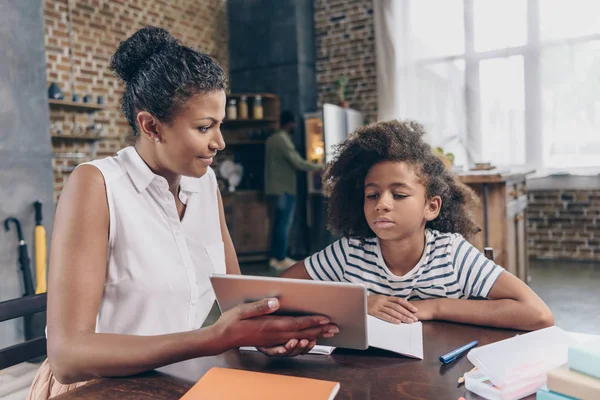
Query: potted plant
pixel 447 158
pixel 341 92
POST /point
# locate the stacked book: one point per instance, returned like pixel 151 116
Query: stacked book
pixel 579 379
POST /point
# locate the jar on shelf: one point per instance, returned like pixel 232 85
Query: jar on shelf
pixel 231 109
pixel 243 108
pixel 257 111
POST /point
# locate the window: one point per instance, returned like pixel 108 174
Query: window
pixel 425 27
pixel 502 110
pixel 441 105
pixel 506 81
pixel 571 104
pixel 560 19
pixel 499 24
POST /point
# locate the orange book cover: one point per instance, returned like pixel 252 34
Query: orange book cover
pixel 235 384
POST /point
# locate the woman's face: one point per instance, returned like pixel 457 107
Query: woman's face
pixel 190 141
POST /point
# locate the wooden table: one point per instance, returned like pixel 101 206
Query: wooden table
pixel 371 374
pixel 502 216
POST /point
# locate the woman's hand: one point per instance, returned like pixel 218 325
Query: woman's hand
pixel 251 325
pixel 292 348
pixel 391 309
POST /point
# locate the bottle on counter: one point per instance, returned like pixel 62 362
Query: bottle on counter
pixel 243 108
pixel 231 109
pixel 257 111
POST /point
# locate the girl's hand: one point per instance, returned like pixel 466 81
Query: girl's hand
pixel 427 309
pixel 391 309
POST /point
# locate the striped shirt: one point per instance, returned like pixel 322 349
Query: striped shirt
pixel 450 267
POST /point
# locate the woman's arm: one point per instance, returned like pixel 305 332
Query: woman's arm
pixel 510 304
pixel 231 261
pixel 76 283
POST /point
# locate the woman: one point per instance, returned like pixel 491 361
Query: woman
pixel 137 235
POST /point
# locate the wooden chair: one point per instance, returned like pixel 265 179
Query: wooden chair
pixel 30 349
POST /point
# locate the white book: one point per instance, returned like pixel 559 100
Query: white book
pixel 404 339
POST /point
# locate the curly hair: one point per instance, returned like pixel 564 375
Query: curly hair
pixel 393 141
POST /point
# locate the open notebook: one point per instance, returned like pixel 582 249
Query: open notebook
pixel 235 384
pixel 404 339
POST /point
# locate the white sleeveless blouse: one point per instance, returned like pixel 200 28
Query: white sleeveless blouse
pixel 158 266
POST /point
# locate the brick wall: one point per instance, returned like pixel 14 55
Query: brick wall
pixel 97 28
pixel 345 46
pixel 564 224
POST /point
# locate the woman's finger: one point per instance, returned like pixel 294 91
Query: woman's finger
pixel 277 351
pixel 299 348
pixel 309 347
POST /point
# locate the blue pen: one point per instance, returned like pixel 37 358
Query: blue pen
pixel 451 356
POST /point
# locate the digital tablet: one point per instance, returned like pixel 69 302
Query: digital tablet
pixel 345 304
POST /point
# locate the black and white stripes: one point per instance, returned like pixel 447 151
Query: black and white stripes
pixel 449 268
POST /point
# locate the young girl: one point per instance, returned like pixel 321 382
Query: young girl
pixel 404 219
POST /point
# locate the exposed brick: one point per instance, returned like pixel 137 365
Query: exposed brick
pixel 535 220
pixel 574 212
pixel 563 224
pixel 97 28
pixel 345 46
pixel 560 221
pixel 577 205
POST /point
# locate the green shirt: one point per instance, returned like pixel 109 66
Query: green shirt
pixel 281 163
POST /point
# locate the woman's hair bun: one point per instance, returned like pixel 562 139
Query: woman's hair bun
pixel 134 51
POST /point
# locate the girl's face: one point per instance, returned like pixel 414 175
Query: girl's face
pixel 190 141
pixel 395 203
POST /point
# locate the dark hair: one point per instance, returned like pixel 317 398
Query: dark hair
pixel 286 117
pixel 394 141
pixel 161 74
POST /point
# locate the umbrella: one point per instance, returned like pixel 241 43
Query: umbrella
pixel 40 250
pixel 35 323
pixel 24 261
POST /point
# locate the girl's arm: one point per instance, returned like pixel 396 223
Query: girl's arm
pixel 296 271
pixel 326 265
pixel 510 304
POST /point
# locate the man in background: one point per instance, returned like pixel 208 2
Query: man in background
pixel 282 161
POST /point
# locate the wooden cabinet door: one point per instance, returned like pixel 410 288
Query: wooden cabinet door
pixel 251 223
pixel 517 238
pixel 511 259
pixel 522 258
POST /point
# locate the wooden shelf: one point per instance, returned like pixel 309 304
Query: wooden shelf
pixel 82 137
pixel 75 105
